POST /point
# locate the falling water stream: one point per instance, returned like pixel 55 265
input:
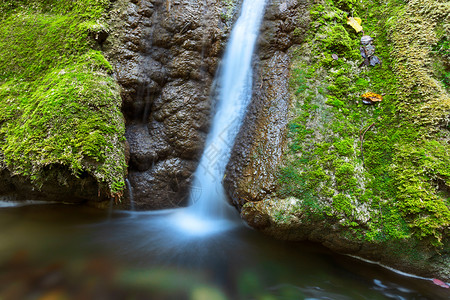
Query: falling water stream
pixel 209 211
pixel 204 251
pixel 235 83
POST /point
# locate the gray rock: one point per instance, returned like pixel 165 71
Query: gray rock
pixel 366 39
pixel 165 55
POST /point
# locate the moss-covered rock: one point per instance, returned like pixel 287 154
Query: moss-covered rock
pixel 372 180
pixel 59 105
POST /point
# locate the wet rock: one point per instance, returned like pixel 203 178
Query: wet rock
pixel 165 55
pixel 164 185
pixel 258 149
pixel 284 24
pixel 255 218
pixel 60 184
pixel 259 145
pixel 366 39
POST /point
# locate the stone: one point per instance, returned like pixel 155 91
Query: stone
pixel 250 174
pixel 366 39
pixel 165 56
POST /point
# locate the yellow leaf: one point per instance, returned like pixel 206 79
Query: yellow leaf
pixel 372 97
pixel 355 23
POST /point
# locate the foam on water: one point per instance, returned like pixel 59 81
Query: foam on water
pixel 191 224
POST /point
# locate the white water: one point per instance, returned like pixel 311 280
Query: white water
pixel 130 194
pixel 208 212
pixel 207 198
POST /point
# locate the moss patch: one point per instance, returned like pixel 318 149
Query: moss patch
pixel 384 167
pixel 58 103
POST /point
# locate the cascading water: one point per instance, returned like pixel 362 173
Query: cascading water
pixel 208 212
pixel 235 84
pixel 208 208
pixel 130 194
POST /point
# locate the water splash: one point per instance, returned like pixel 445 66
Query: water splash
pixel 235 84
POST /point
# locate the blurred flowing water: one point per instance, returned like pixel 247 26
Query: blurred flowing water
pixel 56 251
pixel 235 91
pixel 209 212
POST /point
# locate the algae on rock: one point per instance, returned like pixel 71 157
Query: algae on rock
pixel 383 194
pixel 59 105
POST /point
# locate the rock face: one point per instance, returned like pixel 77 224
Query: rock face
pixel 307 167
pixel 259 147
pixel 166 54
pixel 61 186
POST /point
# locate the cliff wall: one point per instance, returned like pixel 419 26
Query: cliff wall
pixel 165 55
pixel 368 180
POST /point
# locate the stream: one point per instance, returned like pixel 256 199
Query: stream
pixel 57 251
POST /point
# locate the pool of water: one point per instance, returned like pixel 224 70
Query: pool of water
pixel 56 251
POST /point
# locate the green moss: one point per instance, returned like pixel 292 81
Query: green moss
pixel 392 156
pixel 441 51
pixel 362 84
pixel 344 176
pixel 58 103
pixel 317 11
pixel 344 147
pixel 342 204
pixel 338 40
pixel 230 6
pixel 298 79
pixel 345 5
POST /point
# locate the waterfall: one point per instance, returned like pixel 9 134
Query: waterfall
pixel 130 194
pixel 207 196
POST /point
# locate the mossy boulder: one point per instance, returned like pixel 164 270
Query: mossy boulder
pixel 60 118
pixel 370 180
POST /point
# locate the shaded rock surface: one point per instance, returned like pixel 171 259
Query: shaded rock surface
pixel 256 156
pixel 166 54
pixel 61 186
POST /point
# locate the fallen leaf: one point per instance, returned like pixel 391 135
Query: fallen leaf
pixel 355 23
pixel 372 97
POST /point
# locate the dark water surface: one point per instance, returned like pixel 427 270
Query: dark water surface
pixel 74 252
